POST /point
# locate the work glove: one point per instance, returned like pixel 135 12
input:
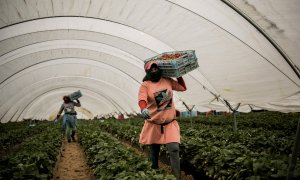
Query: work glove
pixel 146 113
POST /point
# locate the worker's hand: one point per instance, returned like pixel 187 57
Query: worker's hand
pixel 146 113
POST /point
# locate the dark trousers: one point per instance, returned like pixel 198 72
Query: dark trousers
pixel 173 150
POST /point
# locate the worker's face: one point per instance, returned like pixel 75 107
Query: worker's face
pixel 153 69
pixel 155 73
pixel 66 100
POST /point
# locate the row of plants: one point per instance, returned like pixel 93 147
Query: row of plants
pixel 255 139
pixel 219 152
pixel 125 130
pixel 15 134
pixel 286 122
pixel 36 157
pixel 110 159
pixel 5 127
pixel 222 158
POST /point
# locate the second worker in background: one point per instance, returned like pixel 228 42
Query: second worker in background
pixel 69 117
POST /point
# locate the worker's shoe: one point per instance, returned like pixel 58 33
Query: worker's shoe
pixel 73 136
pixel 69 140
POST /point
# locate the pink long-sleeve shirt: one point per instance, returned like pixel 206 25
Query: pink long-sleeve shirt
pixel 160 103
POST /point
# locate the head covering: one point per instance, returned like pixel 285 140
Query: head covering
pixel 66 99
pixel 148 65
pixel 152 76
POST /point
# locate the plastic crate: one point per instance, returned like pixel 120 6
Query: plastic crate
pixel 186 58
pixel 180 71
pixel 176 67
pixel 189 53
pixel 75 95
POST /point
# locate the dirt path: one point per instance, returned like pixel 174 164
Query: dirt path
pixel 72 164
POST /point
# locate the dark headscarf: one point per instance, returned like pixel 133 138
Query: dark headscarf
pixel 155 76
pixel 66 99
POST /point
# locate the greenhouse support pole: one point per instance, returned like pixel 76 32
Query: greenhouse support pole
pixel 191 120
pixel 234 121
pixel 296 149
pixel 189 110
pixel 234 110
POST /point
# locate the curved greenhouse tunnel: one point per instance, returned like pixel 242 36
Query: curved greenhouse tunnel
pixel 231 53
pixel 247 50
pixel 108 91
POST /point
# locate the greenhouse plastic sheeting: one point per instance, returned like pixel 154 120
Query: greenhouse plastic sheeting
pixel 248 54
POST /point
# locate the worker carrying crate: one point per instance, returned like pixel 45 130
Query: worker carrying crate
pixel 176 63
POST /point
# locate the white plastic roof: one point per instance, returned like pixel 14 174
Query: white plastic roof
pixel 248 53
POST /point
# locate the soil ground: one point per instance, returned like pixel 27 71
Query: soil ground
pixel 72 163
